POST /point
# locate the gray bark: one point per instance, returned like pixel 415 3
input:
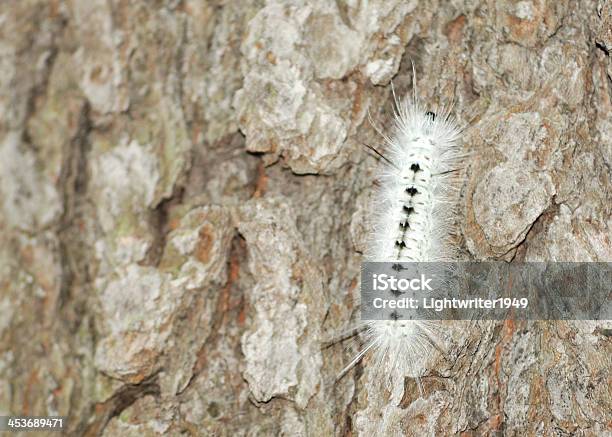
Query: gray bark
pixel 184 192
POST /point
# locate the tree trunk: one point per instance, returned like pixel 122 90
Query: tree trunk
pixel 183 201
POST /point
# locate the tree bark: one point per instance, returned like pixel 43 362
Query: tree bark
pixel 183 201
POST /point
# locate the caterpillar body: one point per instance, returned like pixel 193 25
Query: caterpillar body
pixel 412 221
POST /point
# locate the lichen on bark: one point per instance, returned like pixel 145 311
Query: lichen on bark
pixel 183 195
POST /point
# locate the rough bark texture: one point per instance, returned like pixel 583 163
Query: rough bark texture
pixel 183 194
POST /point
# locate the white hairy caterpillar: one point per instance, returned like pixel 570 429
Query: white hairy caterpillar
pixel 412 221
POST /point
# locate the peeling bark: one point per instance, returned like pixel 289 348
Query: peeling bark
pixel 183 195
